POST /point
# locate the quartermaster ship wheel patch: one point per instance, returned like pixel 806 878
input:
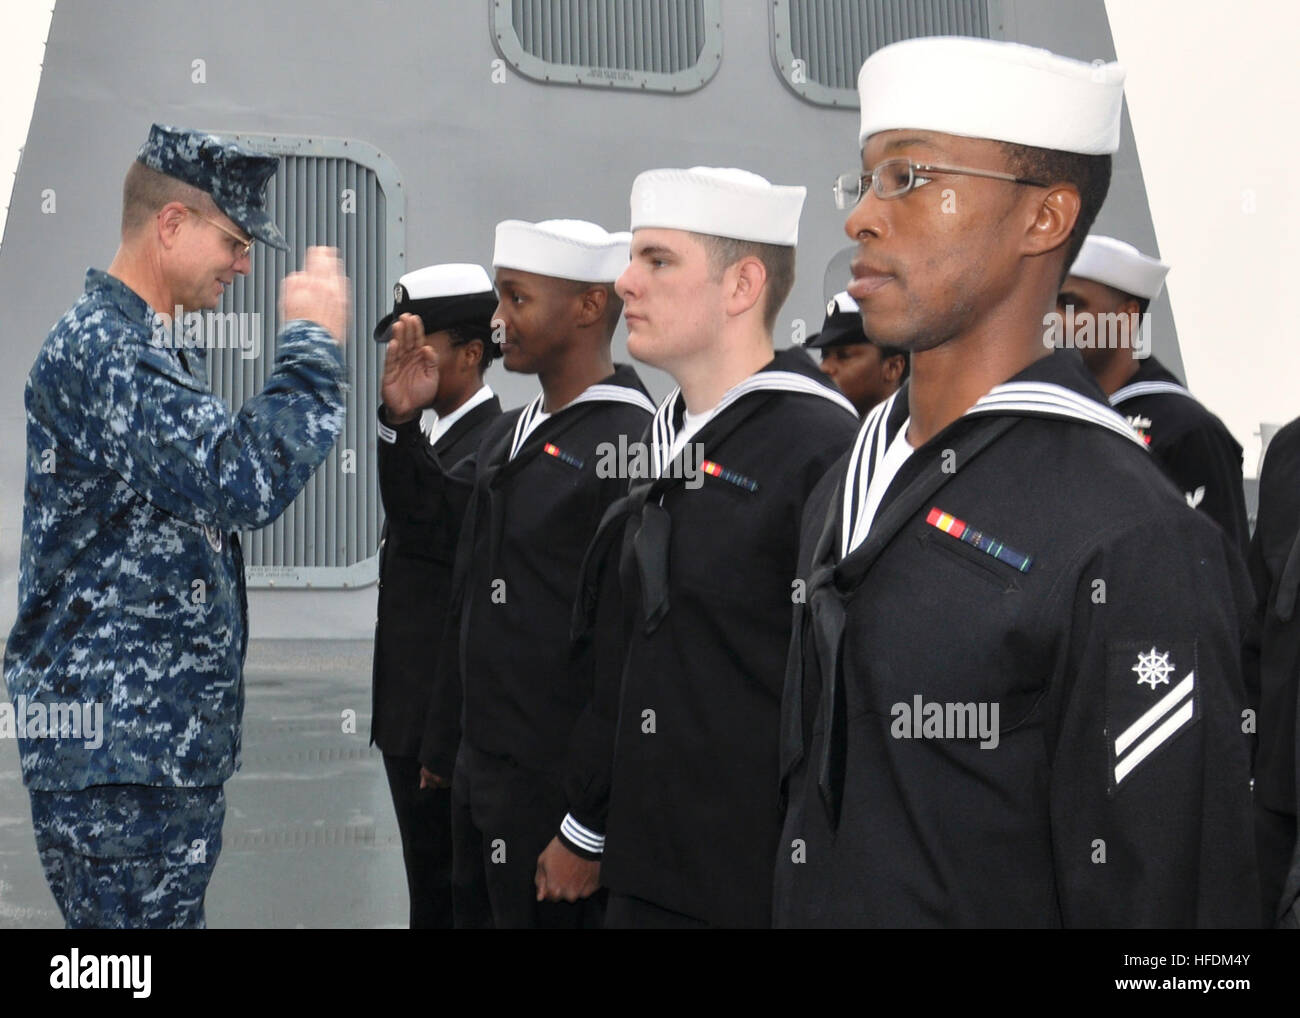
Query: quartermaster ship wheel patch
pixel 1152 698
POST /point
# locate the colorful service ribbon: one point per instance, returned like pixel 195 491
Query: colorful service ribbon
pixel 739 480
pixel 961 530
pixel 564 457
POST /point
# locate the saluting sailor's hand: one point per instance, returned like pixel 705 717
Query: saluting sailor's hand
pixel 410 380
pixel 563 876
pixel 320 293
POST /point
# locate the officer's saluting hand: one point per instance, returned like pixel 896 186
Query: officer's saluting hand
pixel 320 293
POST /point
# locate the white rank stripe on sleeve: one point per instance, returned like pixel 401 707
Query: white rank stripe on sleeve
pixel 386 433
pixel 1156 388
pixel 663 433
pixel 1172 711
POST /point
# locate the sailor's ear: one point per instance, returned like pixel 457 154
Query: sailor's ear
pixel 1054 211
pixel 744 282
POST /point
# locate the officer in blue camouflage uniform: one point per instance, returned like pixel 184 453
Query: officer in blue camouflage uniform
pixel 131 584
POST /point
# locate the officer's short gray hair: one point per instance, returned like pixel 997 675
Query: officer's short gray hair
pixel 145 191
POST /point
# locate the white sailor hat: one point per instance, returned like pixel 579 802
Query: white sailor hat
pixel 564 248
pixel 1119 265
pixel 718 201
pixel 982 88
pixel 444 296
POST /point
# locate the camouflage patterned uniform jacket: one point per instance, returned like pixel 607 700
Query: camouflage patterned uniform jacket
pixel 131 584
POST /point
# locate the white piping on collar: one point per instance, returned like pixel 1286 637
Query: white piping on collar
pixel 874 432
pixel 601 392
pixel 1053 400
pixel 1152 388
pixel 1045 399
pixel 663 432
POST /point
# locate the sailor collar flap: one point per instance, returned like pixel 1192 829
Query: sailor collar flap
pixel 1152 379
pixel 1020 397
pixel 774 378
pixel 518 445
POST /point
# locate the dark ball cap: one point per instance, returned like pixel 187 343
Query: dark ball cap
pixel 453 296
pixel 235 177
pixel 842 325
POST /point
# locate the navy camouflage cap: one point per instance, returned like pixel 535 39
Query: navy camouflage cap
pixel 235 177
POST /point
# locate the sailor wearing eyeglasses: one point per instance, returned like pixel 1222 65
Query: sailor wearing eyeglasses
pixel 132 620
pixel 1014 695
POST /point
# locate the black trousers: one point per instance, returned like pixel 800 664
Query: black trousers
pixel 628 913
pixel 424 820
pixel 503 816
pixel 1275 839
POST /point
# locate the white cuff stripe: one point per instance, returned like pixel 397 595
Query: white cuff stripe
pixel 583 837
pixel 387 434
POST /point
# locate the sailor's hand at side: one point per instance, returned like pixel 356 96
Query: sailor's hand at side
pixel 563 876
pixel 320 293
pixel 410 381
pixel 430 780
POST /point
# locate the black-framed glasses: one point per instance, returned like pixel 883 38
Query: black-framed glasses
pixel 896 177
pixel 245 245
